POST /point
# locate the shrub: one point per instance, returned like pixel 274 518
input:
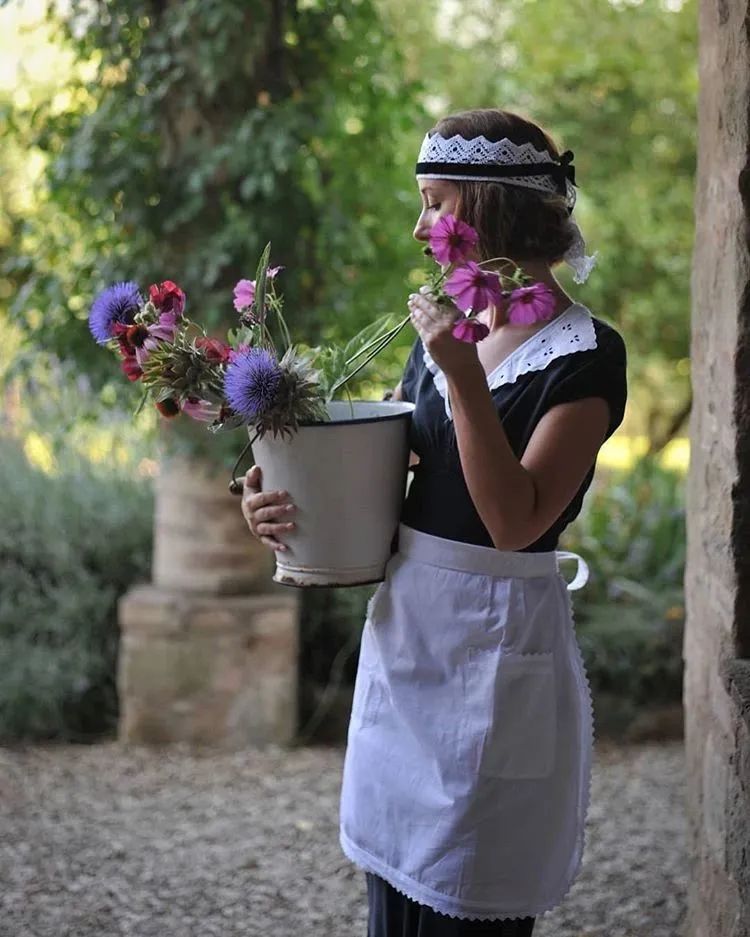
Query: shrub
pixel 70 544
pixel 630 616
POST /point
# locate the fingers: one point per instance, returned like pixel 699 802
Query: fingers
pixel 429 311
pixel 267 513
pixel 253 478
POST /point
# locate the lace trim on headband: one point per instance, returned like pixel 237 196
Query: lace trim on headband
pixel 457 149
pixel 571 331
pixel 480 151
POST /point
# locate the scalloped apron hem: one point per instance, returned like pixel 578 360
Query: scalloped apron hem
pixel 466 778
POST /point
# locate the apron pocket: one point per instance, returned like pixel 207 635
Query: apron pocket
pixel 521 740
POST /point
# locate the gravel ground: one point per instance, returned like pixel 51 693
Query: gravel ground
pixel 103 840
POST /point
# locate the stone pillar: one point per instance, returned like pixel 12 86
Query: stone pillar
pixel 717 583
pixel 208 651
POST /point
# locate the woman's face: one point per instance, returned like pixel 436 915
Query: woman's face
pixel 439 197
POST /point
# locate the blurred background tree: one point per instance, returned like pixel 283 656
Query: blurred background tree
pixel 186 136
pixel 145 139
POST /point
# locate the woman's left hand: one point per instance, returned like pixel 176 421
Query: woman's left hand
pixel 434 323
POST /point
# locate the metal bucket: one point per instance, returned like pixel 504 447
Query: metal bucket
pixel 347 479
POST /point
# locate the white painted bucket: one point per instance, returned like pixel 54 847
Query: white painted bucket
pixel 347 479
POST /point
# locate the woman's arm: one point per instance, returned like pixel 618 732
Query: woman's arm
pixel 518 501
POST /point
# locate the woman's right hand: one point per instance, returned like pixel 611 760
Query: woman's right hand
pixel 266 512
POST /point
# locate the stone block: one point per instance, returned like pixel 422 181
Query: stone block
pixel 210 670
pixel 201 540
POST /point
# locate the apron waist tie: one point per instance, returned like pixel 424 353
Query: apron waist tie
pixel 582 569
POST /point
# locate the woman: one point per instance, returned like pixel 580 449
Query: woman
pixel 466 779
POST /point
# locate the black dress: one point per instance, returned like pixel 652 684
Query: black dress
pixel 573 356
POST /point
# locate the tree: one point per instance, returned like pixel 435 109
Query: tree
pixel 193 133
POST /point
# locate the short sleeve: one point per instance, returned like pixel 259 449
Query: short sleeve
pixel 411 372
pixel 598 372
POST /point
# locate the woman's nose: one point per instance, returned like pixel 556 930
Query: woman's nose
pixel 422 231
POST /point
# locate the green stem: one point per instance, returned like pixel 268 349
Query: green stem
pixel 372 343
pixel 504 276
pixel 140 406
pixel 286 337
pixel 386 340
pixel 235 485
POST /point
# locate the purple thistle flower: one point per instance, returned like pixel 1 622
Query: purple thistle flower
pixel 117 303
pixel 251 383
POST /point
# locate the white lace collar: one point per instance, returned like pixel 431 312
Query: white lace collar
pixel 569 332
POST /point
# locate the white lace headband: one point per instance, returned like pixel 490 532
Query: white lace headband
pixel 481 160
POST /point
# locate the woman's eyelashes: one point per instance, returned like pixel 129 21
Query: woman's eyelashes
pixel 434 207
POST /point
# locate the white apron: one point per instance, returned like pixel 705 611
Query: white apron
pixel 468 761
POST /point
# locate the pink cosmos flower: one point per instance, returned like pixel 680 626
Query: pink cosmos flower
pixel 452 240
pixel 244 291
pixel 473 288
pixel 470 330
pixel 202 410
pixel 529 304
pixel 244 294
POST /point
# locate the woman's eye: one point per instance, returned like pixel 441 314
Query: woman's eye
pixel 433 207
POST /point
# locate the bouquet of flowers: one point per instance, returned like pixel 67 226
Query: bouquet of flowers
pixel 273 385
pixel 250 379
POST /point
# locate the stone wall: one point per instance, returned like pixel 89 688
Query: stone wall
pixel 717 640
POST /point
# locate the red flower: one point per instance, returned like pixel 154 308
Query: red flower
pixel 167 297
pixel 215 352
pixel 131 369
pixel 168 408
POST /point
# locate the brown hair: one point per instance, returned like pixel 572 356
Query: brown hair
pixel 512 221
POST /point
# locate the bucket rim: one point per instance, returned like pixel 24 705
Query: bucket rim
pixel 406 408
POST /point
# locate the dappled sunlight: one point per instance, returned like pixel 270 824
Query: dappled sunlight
pixel 621 452
pixel 38 451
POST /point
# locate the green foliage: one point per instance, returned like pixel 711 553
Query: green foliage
pixel 184 136
pixel 70 545
pixel 195 133
pixel 632 526
pixel 630 615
